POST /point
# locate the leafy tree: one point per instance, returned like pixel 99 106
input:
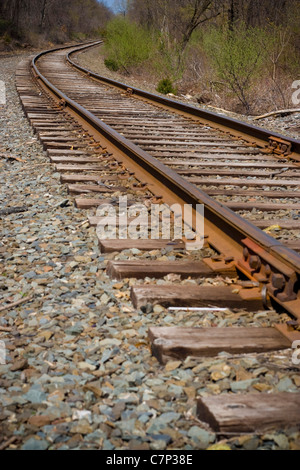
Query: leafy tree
pixel 237 56
pixel 127 44
pixel 47 17
pixel 176 21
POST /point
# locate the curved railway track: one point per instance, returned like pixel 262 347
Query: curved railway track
pixel 108 140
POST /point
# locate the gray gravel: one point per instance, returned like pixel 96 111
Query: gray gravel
pixel 79 373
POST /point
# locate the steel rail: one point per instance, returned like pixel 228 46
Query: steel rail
pixel 251 240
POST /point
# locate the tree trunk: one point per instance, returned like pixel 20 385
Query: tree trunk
pixel 43 15
pixel 233 14
pixel 16 14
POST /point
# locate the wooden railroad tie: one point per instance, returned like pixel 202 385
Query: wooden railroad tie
pixel 250 413
pixel 196 296
pixel 158 269
pixel 109 246
pixel 180 342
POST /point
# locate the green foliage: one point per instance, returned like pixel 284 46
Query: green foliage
pixel 111 64
pixel 168 59
pixel 127 44
pixel 78 36
pixel 7 39
pixel 237 57
pixel 281 52
pixel 165 86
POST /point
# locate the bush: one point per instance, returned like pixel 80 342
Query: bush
pixel 111 64
pixel 7 39
pixel 237 57
pixel 165 86
pixel 127 44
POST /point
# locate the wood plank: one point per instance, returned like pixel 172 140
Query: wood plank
pixel 96 221
pixel 200 164
pixel 205 156
pixel 214 150
pixel 87 178
pixel 248 206
pixel 110 246
pixel 62 146
pixel 78 168
pixel 82 203
pixel 158 269
pixel 250 413
pixel 243 182
pixel 57 134
pixel 229 172
pixel 69 152
pixel 169 134
pixel 178 343
pixel 196 296
pixel 292 244
pixel 75 160
pixel 255 193
pixel 58 138
pixel 288 331
pixel 41 128
pixel 204 142
pixel 93 188
pixel 44 115
pixel 283 223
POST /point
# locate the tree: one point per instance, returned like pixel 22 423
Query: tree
pixel 233 14
pixel 122 6
pixel 127 44
pixel 237 56
pixel 176 21
pixel 48 17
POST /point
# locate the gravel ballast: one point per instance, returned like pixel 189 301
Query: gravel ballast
pixel 78 370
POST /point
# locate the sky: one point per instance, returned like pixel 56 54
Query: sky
pixel 109 3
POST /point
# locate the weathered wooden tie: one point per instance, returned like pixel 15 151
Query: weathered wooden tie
pixel 82 203
pixel 196 296
pixel 89 188
pixel 110 246
pixel 87 178
pixel 158 269
pixel 180 342
pixel 250 413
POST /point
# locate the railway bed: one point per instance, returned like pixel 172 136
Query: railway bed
pixel 111 145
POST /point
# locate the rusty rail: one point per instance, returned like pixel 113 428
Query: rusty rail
pixel 256 254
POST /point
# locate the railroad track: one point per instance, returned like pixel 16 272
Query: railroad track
pixel 110 141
